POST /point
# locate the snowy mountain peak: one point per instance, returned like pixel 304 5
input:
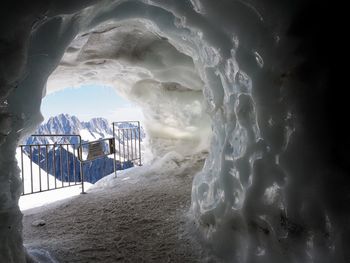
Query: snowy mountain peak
pixel 61 124
pixel 100 126
pixel 95 129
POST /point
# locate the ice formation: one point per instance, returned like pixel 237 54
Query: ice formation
pixel 274 187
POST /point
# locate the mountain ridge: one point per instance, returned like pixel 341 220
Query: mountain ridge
pixel 65 124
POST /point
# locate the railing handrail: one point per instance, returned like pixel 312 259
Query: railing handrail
pixel 99 140
pixel 124 122
pixel 57 135
pixel 47 144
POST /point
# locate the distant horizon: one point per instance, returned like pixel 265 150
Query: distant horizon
pixel 90 101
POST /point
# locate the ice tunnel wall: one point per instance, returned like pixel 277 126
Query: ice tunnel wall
pixel 274 187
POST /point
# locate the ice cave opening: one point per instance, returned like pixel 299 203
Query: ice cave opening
pixel 274 187
pixel 50 167
pixel 148 70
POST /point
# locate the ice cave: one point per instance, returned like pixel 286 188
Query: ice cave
pixel 252 85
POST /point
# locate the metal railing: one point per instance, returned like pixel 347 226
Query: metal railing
pixel 49 173
pixel 50 158
pixel 127 135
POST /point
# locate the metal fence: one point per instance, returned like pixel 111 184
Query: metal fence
pixel 46 161
pixel 127 137
pixel 50 166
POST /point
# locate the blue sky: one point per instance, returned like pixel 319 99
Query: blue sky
pixel 90 101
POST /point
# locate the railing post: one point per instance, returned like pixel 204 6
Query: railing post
pixel 47 168
pixel 22 172
pixel 68 166
pixel 124 155
pixel 81 167
pixel 138 123
pixel 31 168
pixel 127 144
pixel 61 167
pixel 115 150
pixel 74 166
pixel 82 178
pixel 120 155
pixel 54 164
pixel 39 164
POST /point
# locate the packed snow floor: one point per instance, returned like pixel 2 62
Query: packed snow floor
pixel 140 216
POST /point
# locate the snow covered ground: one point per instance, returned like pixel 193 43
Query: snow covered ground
pixel 45 198
pixel 140 216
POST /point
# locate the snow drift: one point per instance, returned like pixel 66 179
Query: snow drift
pixel 274 187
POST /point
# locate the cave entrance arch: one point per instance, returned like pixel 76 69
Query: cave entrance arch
pixel 268 39
pixel 184 122
pixel 213 58
pixel 44 56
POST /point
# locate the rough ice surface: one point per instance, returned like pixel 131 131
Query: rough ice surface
pixel 275 185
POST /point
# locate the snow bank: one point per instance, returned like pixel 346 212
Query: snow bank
pixel 169 165
pixel 264 70
pixel 45 200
